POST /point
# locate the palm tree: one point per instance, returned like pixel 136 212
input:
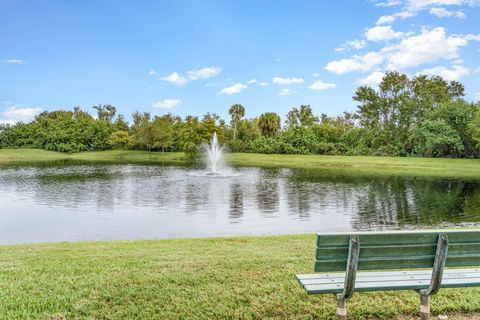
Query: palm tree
pixel 237 111
pixel 269 123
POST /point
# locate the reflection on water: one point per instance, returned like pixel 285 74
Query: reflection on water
pixel 69 202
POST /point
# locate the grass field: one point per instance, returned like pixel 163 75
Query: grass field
pixel 211 278
pixel 462 168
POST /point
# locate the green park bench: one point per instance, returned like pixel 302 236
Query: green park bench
pixel 424 261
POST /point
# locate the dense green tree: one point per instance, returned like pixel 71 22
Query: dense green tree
pixel 120 140
pixel 269 124
pixel 237 112
pixel 436 138
pixel 163 134
pixel 301 117
pixel 21 135
pixel 191 137
pixel 120 124
pixel 474 127
pixel 212 123
pixel 141 130
pixel 105 112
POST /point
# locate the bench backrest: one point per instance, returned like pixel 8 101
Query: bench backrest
pixel 397 250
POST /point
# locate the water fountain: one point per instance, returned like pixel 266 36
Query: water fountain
pixel 214 152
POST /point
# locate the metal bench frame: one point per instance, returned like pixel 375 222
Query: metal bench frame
pixel 352 264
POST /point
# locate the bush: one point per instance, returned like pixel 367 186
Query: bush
pixel 266 145
pixel 435 138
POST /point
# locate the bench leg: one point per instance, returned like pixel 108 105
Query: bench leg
pixel 341 307
pixel 425 307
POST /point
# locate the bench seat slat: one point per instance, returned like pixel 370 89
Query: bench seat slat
pixel 384 273
pixel 368 281
pixel 400 277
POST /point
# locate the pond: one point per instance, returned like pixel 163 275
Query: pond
pixel 73 202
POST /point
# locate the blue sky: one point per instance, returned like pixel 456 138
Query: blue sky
pixel 193 57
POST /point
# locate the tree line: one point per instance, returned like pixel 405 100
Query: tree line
pixel 420 116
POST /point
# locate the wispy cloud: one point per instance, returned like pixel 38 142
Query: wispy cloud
pixel 354 44
pixel 399 15
pixel 382 33
pixel 286 81
pixel 196 74
pixel 236 88
pixel 259 83
pixel 167 104
pixel 175 78
pixel 285 92
pixel 411 8
pixel 14 61
pixel 389 3
pixel 152 72
pixel 320 85
pixel 203 73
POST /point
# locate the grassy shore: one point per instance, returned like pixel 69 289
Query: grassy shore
pixel 211 278
pixel 455 168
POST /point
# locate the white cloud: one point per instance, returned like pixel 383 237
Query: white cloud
pixel 236 88
pixel 152 73
pixel 354 44
pixel 13 114
pixel 444 13
pixel 175 78
pixel 413 7
pixel 167 104
pixel 285 92
pixel 391 18
pixel 453 74
pixel 429 46
pixel 320 85
pixel 203 73
pixel 389 3
pixel 287 81
pixel 474 37
pixel 14 61
pixel 372 79
pixel 385 19
pixel 356 63
pixel 422 4
pixel 259 83
pixel 382 33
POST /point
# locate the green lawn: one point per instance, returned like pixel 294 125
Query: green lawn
pixel 211 278
pixel 466 168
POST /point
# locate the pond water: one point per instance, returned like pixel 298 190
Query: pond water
pixel 72 202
